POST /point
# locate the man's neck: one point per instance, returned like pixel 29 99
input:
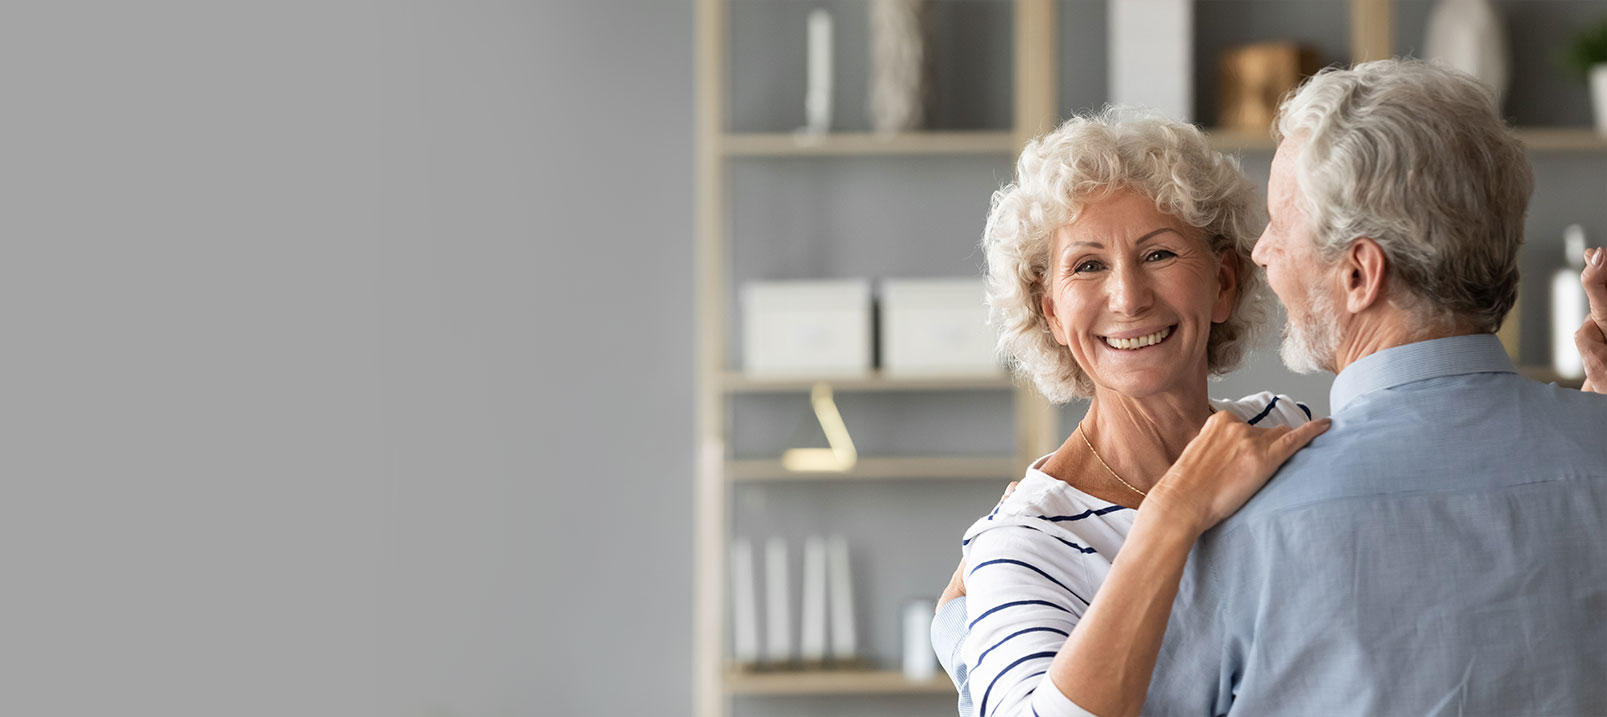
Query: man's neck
pixel 1386 327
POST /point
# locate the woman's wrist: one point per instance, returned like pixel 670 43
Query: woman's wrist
pixel 1175 514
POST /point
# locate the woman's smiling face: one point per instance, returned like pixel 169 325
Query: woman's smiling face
pixel 1132 293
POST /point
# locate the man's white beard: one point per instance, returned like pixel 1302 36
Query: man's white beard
pixel 1309 344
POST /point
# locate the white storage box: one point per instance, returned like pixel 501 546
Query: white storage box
pixel 936 327
pixel 806 328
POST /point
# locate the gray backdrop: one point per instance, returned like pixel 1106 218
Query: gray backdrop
pixel 349 348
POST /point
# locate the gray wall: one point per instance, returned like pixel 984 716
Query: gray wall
pixel 348 358
pixel 536 343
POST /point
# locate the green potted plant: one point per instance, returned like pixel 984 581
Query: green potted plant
pixel 1587 57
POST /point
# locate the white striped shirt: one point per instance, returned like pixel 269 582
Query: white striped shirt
pixel 1032 566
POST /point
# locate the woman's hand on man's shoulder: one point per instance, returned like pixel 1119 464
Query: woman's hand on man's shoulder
pixel 1223 467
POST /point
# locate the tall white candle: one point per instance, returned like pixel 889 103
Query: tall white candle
pixel 778 617
pixel 812 633
pixel 744 615
pixel 920 662
pixel 844 643
pixel 817 100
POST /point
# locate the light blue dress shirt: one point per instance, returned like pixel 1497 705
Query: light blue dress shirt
pixel 1441 550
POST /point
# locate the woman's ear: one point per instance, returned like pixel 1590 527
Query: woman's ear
pixel 1046 302
pixel 1227 285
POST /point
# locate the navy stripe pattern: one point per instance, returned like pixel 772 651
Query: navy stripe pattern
pixel 1029 566
pixel 996 645
pixel 989 691
pixel 1017 603
pixel 1085 514
pixel 1264 412
pixel 1067 543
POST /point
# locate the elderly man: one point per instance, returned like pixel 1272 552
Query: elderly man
pixel 1442 550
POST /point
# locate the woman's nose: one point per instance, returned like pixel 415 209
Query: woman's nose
pixel 1130 291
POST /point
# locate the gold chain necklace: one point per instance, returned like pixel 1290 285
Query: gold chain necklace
pixel 1102 462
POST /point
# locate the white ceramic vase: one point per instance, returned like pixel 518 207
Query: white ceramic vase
pixel 897 65
pixel 1468 35
pixel 1151 55
pixel 1598 95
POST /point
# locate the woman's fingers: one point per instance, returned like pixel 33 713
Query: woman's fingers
pixel 956 586
pixel 1591 341
pixel 1594 278
pixel 1296 439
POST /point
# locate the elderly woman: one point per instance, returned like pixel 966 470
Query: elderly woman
pixel 1118 269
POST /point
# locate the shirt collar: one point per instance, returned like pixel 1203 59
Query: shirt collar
pixel 1474 353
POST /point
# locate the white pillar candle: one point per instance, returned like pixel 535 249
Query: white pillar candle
pixel 744 615
pixel 817 100
pixel 844 643
pixel 778 634
pixel 812 633
pixel 920 662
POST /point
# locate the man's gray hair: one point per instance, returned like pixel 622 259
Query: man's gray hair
pixel 1416 157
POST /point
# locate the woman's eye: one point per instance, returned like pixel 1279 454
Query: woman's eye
pixel 1158 255
pixel 1087 266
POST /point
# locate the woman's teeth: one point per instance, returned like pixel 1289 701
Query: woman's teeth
pixel 1140 342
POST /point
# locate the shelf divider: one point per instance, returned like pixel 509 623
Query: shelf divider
pixel 737 382
pixel 833 682
pixel 786 144
pixel 1000 468
pixel 1562 139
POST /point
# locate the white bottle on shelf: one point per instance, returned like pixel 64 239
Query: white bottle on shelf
pixel 920 662
pixel 1569 305
pixel 817 99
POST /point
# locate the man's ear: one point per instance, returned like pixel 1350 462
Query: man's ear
pixel 1365 267
pixel 1227 285
pixel 1047 303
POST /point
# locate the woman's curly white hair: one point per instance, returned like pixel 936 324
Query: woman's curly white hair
pixel 1083 161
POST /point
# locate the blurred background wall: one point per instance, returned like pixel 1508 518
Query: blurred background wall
pixel 348 358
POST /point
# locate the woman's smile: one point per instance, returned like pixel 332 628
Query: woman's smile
pixel 1129 342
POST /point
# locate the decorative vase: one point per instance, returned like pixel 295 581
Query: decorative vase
pixel 1598 95
pixel 897 65
pixel 1151 55
pixel 1468 35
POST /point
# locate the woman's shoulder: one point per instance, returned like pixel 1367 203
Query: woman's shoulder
pixel 1045 509
pixel 1266 409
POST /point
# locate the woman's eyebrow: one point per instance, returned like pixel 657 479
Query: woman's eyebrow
pixel 1154 234
pixel 1139 240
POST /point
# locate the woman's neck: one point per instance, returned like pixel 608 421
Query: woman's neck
pixel 1137 438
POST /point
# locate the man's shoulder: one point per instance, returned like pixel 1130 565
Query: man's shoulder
pixel 1451 438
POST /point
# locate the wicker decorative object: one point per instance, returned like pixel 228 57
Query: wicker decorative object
pixel 1254 78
